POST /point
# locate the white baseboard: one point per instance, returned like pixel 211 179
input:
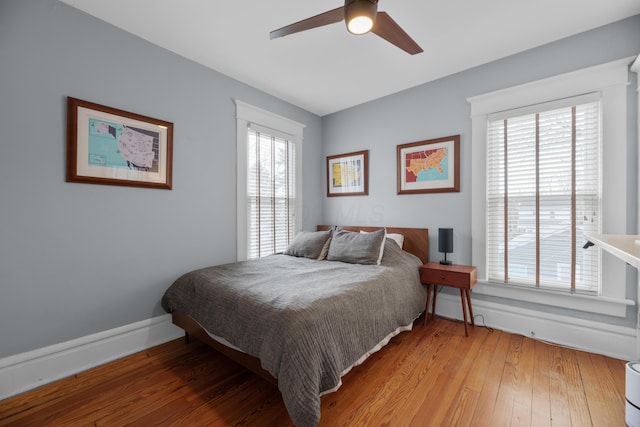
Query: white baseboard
pixel 595 337
pixel 35 368
pixel 32 369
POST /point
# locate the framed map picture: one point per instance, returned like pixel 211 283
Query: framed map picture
pixel 348 174
pixel 114 147
pixel 431 166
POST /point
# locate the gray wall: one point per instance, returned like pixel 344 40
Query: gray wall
pixel 439 109
pixel 76 259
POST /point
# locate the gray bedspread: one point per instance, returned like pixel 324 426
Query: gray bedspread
pixel 306 320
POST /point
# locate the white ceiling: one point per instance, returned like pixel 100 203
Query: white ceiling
pixel 326 69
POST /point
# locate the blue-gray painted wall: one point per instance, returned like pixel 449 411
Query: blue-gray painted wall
pixel 76 259
pixel 439 109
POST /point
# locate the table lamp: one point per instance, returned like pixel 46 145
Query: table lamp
pixel 445 243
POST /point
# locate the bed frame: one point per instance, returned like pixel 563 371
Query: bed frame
pixel 416 241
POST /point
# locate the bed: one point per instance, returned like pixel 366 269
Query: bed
pixel 304 318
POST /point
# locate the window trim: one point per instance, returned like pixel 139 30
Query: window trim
pixel 247 114
pixel 610 79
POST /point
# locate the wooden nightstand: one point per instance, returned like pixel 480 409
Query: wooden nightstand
pixel 463 277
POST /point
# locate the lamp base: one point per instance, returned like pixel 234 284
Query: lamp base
pixel 444 261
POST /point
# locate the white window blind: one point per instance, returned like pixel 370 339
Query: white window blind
pixel 543 195
pixel 269 180
pixel 271 192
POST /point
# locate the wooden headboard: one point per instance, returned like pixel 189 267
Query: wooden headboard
pixel 416 240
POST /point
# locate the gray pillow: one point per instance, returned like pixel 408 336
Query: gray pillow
pixel 356 248
pixel 309 244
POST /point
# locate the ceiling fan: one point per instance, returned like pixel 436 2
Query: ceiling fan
pixel 361 17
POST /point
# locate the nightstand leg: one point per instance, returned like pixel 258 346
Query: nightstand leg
pixel 464 311
pixel 426 309
pixel 433 304
pixel 468 292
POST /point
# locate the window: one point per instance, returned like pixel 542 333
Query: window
pixel 536 210
pixel 271 193
pixel 543 195
pixel 269 181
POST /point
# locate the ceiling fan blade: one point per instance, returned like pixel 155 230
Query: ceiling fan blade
pixel 326 18
pixel 389 30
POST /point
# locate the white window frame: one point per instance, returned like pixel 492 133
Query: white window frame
pixel 610 80
pixel 247 114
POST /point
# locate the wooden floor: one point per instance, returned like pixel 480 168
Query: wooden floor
pixel 431 376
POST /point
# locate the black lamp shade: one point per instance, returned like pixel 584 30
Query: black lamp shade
pixel 445 240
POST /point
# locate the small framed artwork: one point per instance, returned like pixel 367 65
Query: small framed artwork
pixel 431 166
pixel 348 174
pixel 114 147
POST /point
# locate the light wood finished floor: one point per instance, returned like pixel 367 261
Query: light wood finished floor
pixel 431 376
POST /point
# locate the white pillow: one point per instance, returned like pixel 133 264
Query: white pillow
pixel 398 238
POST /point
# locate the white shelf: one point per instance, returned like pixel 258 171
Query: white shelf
pixel 624 246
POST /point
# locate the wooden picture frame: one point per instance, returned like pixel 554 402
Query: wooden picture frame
pixel 431 166
pixel 348 174
pixel 115 147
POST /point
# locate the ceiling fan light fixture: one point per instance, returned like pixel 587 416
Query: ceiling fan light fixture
pixel 360 15
pixel 360 25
